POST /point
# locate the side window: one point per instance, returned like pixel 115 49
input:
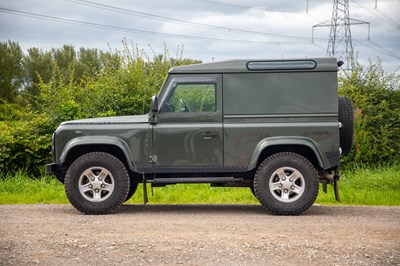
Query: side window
pixel 191 97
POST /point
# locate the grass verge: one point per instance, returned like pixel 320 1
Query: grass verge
pixel 358 186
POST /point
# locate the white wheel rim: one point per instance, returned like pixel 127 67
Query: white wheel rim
pixel 96 184
pixel 286 184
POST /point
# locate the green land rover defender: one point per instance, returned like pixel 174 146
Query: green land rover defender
pixel 277 127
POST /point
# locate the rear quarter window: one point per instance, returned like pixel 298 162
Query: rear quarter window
pixel 282 65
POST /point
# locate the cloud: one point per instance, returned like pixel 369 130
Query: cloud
pixel 278 18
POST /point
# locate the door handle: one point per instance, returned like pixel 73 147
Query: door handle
pixel 209 135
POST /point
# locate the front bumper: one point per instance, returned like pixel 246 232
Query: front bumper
pixel 57 169
pixel 52 168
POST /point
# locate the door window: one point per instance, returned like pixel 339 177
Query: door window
pixel 191 97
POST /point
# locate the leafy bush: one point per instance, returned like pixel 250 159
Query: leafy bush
pixel 25 145
pixel 122 84
pixel 64 84
pixel 376 99
pixel 121 89
pixel 10 111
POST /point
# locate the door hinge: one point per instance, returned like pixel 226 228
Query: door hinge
pixel 153 158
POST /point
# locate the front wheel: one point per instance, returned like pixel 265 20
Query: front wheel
pixel 97 183
pixel 132 189
pixel 286 184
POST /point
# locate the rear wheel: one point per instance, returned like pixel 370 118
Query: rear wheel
pixel 97 183
pixel 286 184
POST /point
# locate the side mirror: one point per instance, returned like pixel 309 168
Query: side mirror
pixel 154 104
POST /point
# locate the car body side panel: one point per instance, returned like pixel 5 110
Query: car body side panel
pixel 244 141
pixel 258 107
pixel 180 138
pixel 134 140
pixel 280 93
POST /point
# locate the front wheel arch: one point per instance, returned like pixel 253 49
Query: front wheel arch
pixel 112 145
pixel 77 151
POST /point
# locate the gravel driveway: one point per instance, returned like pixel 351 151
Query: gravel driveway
pixel 199 235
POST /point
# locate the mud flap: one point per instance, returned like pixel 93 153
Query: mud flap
pixel 324 183
pixel 145 198
pixel 333 180
pixel 336 187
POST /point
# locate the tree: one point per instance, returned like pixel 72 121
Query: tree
pixel 38 67
pixel 11 70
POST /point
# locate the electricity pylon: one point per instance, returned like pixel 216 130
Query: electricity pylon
pixel 340 43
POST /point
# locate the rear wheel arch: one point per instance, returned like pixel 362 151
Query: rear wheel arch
pixel 300 146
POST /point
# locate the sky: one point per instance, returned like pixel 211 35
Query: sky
pixel 207 30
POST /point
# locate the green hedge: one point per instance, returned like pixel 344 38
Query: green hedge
pixel 124 87
pixel 25 145
pixel 376 99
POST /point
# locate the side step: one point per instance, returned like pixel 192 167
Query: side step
pixel 192 180
pixel 214 181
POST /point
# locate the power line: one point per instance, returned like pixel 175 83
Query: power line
pixel 218 3
pixel 377 12
pixel 323 1
pixel 370 44
pixel 125 29
pixel 180 21
pixel 378 48
pixel 340 43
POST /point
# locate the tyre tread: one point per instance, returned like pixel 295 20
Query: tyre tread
pixel 68 183
pixel 346 117
pixel 258 189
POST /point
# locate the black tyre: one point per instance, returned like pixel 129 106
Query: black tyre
pixel 252 189
pixel 97 183
pixel 286 184
pixel 346 118
pixel 132 189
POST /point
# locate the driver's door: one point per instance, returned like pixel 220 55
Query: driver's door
pixel 188 135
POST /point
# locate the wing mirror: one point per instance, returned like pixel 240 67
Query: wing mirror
pixel 154 110
pixel 154 104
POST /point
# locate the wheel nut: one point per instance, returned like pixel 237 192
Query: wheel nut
pixel 291 179
pixel 103 186
pixel 292 187
pixel 90 186
pixel 283 178
pixel 286 191
pixel 280 185
pixel 96 190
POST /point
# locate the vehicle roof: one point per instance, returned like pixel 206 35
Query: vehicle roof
pixel 242 65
